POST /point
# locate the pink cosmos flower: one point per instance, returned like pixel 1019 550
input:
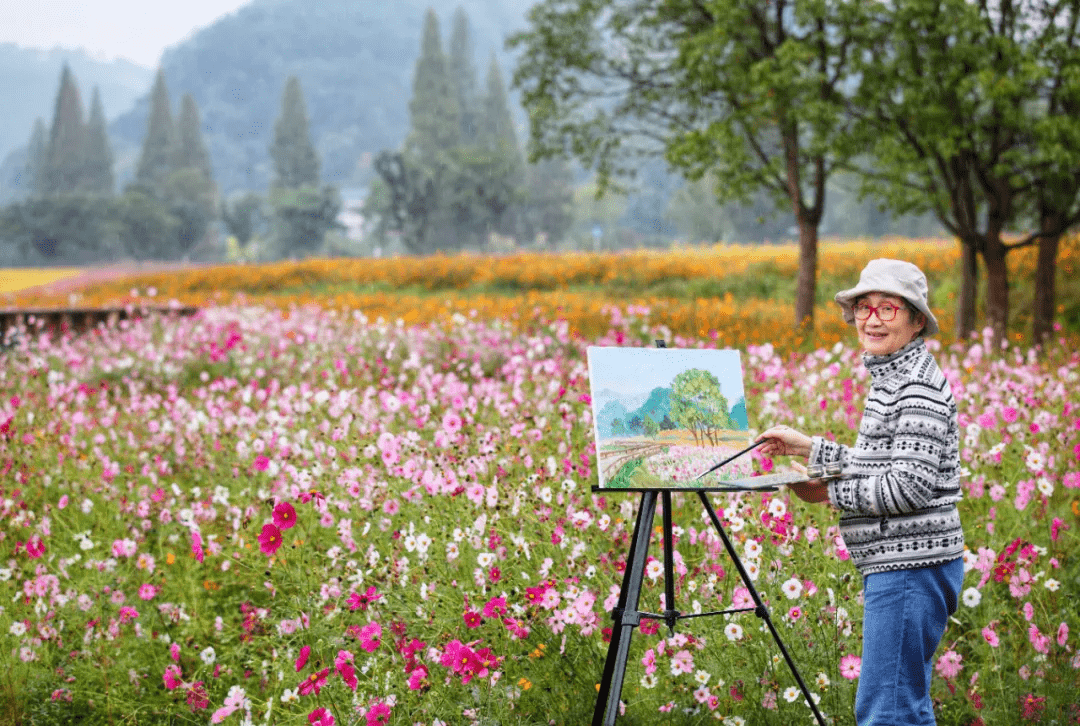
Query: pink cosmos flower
pixel 418 678
pixel 1040 642
pixel 262 463
pixel 147 591
pixel 1062 634
pixel 172 677
pixel 495 607
pixel 472 619
pixel 35 547
pixel 284 516
pixel 378 714
pixel 360 601
pixel 850 666
pixel 196 545
pixel 990 636
pixel 370 637
pixel 948 664
pixel 321 717
pixel 269 539
pixel 314 682
pixel 1010 414
pixel 174 652
pixel 197 697
pixel 302 659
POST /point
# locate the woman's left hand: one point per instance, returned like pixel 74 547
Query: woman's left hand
pixel 814 491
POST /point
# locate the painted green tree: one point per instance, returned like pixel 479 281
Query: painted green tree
pixel 699 405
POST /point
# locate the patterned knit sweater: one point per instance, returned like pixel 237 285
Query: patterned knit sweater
pixel 901 481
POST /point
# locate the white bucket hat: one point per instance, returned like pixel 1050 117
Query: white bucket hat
pixel 895 277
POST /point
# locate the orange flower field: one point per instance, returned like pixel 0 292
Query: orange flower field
pixel 737 295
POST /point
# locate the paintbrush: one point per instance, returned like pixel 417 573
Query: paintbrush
pixel 732 457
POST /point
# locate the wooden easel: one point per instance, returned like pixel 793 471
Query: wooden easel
pixel 627 616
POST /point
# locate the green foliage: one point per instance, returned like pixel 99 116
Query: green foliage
pixel 242 216
pixel 145 226
pixel 191 200
pixel 68 227
pixel 302 217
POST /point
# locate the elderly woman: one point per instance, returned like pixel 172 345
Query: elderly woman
pixel 897 493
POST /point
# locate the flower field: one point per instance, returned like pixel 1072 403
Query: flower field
pixel 311 516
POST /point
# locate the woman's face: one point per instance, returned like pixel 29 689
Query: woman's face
pixel 882 338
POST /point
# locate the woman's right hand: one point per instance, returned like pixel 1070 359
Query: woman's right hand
pixel 784 441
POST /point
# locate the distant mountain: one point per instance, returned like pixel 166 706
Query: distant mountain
pixel 738 414
pixel 31 79
pixel 607 415
pixel 355 62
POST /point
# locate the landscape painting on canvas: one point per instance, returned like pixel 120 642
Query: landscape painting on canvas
pixel 663 416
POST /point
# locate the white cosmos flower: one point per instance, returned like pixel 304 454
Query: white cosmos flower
pixel 792 588
pixel 733 631
pixel 972 597
pixel 790 694
pixel 208 655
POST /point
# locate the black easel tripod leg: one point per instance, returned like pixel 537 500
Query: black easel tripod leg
pixel 626 616
pixel 760 610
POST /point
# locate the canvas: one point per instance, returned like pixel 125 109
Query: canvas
pixel 663 416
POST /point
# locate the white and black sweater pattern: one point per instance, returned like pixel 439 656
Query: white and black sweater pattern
pixel 901 481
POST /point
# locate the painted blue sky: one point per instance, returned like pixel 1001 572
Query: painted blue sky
pixel 634 372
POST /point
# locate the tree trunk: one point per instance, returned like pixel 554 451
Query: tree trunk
pixel 997 288
pixel 969 287
pixel 1045 294
pixel 806 284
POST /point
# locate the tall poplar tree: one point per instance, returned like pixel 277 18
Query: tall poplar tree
pixel 463 73
pixel 296 163
pixel 37 160
pixel 303 212
pixel 64 166
pixel 190 190
pixel 157 159
pixel 97 176
pixel 434 112
pixel 191 149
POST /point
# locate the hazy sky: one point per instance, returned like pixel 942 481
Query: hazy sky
pixel 637 371
pixel 138 30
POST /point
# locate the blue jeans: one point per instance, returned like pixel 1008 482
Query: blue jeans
pixel 904 618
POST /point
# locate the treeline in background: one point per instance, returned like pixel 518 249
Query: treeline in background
pixel 459 181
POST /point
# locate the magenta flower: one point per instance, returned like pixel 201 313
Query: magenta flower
pixel 196 545
pixel 147 591
pixel 269 539
pixel 197 697
pixel 321 717
pixel 472 619
pixel 172 677
pixel 360 601
pixel 35 547
pixel 495 607
pixel 378 714
pixel 370 636
pixel 302 659
pixel 262 463
pixel 314 682
pixel 284 516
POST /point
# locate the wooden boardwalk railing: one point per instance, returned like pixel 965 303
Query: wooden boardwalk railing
pixel 58 321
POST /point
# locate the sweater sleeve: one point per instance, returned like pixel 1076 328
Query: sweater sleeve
pixel 918 445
